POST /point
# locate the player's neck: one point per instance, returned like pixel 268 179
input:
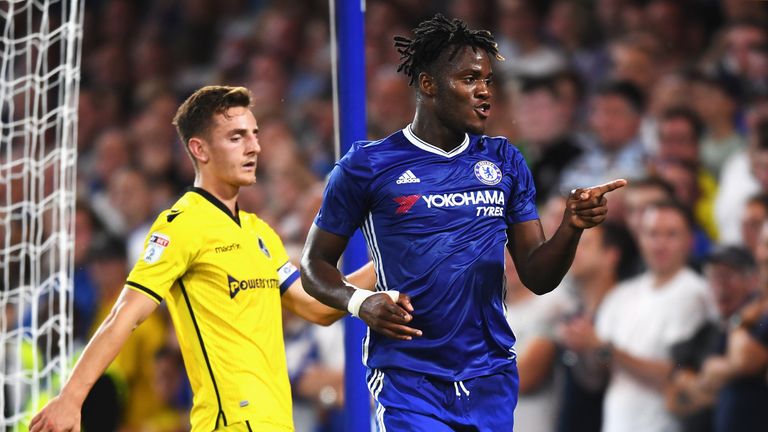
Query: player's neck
pixel 431 130
pixel 225 193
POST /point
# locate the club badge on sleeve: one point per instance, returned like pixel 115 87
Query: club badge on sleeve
pixel 155 247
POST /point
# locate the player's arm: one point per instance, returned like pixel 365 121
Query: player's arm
pixel 323 281
pixel 296 299
pixel 541 264
pixel 62 413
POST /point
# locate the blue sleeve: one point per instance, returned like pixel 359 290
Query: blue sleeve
pixel 522 201
pixel 345 201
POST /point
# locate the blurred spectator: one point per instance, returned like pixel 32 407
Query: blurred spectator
pixel 139 59
pixel 679 31
pixel 740 404
pixel 640 321
pixel 570 90
pixel 534 318
pixel 735 63
pixel 521 43
pixel 315 358
pixel 745 174
pixel 476 13
pixel 85 294
pixel 129 196
pixel 109 272
pixel 680 132
pixel 571 27
pixel 543 126
pixel 752 221
pixel 683 178
pixel 716 105
pixel 635 58
pixel 596 269
pixel 168 379
pixel 669 91
pixel 616 151
pixel 390 103
pixel 617 16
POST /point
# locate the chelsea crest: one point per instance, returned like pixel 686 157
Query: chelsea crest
pixel 487 172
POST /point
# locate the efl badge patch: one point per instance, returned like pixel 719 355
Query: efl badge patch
pixel 155 247
pixel 487 172
pixel 264 249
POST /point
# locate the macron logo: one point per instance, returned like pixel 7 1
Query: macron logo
pixel 408 177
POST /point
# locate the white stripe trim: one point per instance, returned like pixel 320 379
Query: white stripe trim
pixel 370 234
pixel 420 143
pixel 366 341
pixel 376 388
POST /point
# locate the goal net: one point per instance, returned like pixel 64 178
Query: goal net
pixel 39 77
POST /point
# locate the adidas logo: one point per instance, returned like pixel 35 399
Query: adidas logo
pixel 408 177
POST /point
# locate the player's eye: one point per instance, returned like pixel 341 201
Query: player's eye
pixel 470 79
pixel 236 138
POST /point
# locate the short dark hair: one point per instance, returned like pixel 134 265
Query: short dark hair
pixel 687 114
pixel 735 257
pixel 720 84
pixel 195 116
pixel 625 90
pixel 531 84
pixel 433 37
pixel 678 207
pixel 652 182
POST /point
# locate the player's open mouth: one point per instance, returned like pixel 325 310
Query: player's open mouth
pixel 250 164
pixel 483 110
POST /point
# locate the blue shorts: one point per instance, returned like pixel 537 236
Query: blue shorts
pixel 407 401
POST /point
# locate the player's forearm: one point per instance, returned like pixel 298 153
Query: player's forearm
pixel 548 263
pixel 98 354
pixel 364 277
pixel 323 281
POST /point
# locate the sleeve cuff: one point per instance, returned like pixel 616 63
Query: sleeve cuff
pixel 148 292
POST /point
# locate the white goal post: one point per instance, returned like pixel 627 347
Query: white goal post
pixel 40 43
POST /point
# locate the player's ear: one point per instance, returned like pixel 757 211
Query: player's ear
pixel 427 84
pixel 198 149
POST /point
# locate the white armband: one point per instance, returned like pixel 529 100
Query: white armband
pixel 359 296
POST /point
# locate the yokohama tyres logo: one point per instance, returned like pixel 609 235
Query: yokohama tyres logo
pixel 406 203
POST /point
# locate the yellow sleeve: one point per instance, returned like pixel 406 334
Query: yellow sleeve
pixel 287 272
pixel 168 250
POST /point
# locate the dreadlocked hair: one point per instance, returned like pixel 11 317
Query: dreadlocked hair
pixel 433 36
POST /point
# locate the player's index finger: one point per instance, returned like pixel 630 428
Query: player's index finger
pixel 608 187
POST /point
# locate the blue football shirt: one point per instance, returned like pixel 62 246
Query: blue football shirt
pixel 435 223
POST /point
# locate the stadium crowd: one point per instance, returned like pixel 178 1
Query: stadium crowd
pixel 669 94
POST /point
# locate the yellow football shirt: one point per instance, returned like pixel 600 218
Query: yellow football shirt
pixel 222 277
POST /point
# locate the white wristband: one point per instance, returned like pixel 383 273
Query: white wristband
pixel 359 296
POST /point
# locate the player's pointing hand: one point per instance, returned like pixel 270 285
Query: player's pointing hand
pixel 587 207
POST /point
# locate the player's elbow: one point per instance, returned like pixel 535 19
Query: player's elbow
pixel 325 320
pixel 323 315
pixel 539 287
pixel 307 268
